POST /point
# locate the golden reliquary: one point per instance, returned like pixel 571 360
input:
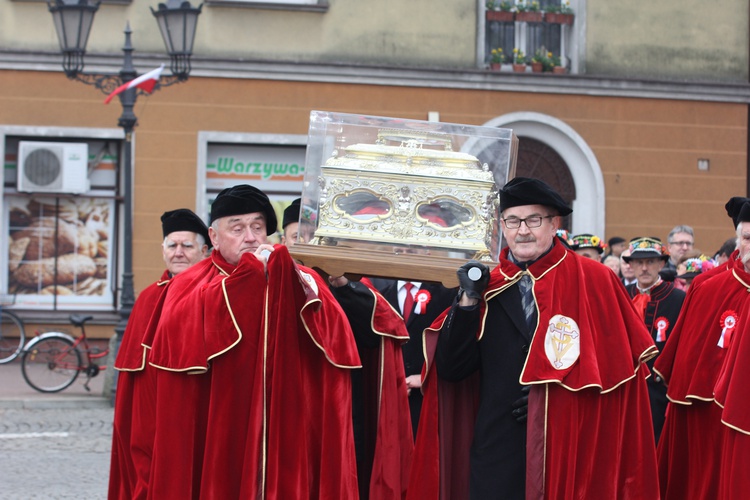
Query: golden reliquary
pixel 409 188
pixel 402 199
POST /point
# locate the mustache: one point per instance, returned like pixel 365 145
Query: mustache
pixel 525 239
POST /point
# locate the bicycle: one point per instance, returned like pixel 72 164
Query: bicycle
pixel 12 334
pixel 52 361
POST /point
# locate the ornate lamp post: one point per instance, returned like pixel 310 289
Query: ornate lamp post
pixel 177 21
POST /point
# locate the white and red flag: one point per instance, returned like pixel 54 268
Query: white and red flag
pixel 146 81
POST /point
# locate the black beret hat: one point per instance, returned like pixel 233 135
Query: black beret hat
pixel 291 213
pixel 526 191
pixel 183 219
pixel 744 215
pixel 244 199
pixel 734 206
pixel 614 240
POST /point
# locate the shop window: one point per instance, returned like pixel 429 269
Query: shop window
pixel 274 163
pixel 58 247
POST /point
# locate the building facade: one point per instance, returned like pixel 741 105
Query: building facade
pixel 646 129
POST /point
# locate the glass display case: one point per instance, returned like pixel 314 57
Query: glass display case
pixel 400 198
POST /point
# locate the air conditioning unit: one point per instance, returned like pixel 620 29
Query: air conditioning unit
pixel 53 167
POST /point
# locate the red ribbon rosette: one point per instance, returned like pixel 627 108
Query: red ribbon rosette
pixel 727 322
pixel 423 298
pixel 662 325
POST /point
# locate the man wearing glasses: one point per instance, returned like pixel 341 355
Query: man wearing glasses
pixel 537 371
pixel 681 240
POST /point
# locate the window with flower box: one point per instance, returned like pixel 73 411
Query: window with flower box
pixel 529 26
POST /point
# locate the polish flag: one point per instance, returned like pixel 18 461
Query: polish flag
pixel 146 82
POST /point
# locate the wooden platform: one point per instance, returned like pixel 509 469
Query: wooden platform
pixel 355 263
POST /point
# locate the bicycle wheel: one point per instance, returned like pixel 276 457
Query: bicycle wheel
pixel 51 365
pixel 12 336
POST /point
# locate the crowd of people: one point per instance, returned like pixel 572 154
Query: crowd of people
pixel 572 369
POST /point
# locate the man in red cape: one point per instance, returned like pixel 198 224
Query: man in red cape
pixel 732 395
pixel 184 245
pixel 562 326
pixel 382 432
pixel 690 452
pixel 253 359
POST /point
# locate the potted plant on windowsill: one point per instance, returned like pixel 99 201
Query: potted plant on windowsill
pixel 500 11
pixel 548 62
pixel 557 67
pixel 538 60
pixel 559 14
pixel 497 58
pixel 519 61
pixel 528 12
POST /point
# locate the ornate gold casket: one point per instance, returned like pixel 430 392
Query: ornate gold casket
pixel 402 199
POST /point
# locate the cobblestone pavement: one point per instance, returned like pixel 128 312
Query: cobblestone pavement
pixel 54 453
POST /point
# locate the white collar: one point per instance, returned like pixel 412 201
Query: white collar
pixel 648 290
pixel 401 283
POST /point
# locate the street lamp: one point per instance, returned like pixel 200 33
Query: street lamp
pixel 177 21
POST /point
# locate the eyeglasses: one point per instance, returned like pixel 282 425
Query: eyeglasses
pixel 531 222
pixel 682 243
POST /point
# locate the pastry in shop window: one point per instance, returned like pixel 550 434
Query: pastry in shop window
pixel 70 268
pixel 41 233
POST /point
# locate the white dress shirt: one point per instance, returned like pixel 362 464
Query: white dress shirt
pixel 402 292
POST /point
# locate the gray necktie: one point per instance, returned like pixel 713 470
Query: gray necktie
pixel 527 301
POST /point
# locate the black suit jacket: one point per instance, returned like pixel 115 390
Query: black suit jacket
pixel 498 452
pixel 441 299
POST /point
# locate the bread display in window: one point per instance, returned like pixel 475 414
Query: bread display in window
pixel 58 246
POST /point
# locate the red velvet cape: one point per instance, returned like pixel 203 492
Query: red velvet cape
pixel 133 427
pixel 691 359
pixel 388 420
pixel 689 453
pixel 589 432
pixel 253 391
pixel 732 393
pixel 716 270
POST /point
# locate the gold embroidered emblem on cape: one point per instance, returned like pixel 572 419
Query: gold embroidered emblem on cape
pixel 562 343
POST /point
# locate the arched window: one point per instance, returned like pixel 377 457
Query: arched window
pixel 575 157
pixel 539 160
